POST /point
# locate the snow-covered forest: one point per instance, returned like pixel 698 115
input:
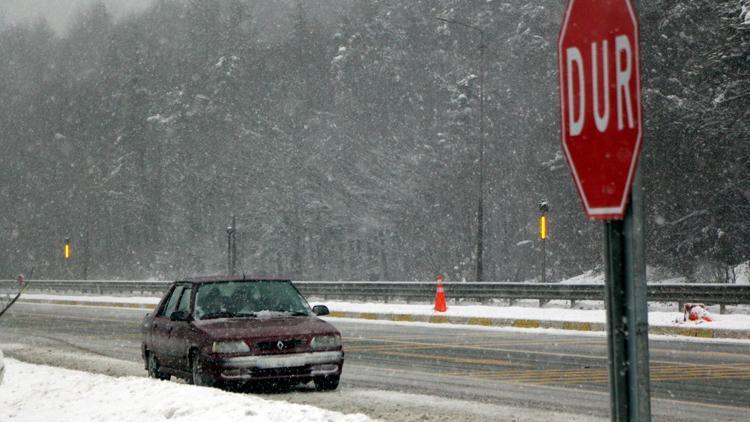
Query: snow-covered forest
pixel 344 135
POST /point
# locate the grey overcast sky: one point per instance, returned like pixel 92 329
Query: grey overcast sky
pixel 60 12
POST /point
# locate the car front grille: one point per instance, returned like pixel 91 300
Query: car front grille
pixel 288 344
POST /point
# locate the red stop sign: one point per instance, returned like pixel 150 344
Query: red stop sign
pixel 600 102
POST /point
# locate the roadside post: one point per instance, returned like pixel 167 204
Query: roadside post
pixel 67 255
pixel 543 209
pixel 601 136
pixel 66 249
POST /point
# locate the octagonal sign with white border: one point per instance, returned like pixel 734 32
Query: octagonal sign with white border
pixel 600 102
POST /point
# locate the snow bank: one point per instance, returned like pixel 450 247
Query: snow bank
pixel 589 277
pixel 653 275
pixel 742 272
pixel 664 319
pixel 34 393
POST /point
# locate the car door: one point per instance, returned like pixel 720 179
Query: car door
pixel 162 326
pixel 179 335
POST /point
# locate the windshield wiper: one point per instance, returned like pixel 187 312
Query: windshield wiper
pixel 226 314
pixel 292 313
pixel 295 313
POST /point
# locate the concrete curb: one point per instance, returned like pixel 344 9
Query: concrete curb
pixel 531 323
pixel 444 319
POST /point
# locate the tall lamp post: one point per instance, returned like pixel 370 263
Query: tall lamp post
pixel 232 247
pixel 480 199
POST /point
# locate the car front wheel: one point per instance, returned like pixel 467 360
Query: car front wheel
pixel 197 371
pixel 153 368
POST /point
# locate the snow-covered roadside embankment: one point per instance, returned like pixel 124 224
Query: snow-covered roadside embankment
pixel 34 393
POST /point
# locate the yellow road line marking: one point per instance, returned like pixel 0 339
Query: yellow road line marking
pixel 588 371
pixel 526 323
pixel 519 351
pixel 494 339
pixel 486 322
pixel 402 317
pixel 577 326
pixel 357 348
pixel 598 375
pixel 439 319
pixel 656 378
pixel 743 355
pixel 496 349
pixel 474 361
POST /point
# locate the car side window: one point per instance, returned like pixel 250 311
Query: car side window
pixel 184 305
pixel 172 302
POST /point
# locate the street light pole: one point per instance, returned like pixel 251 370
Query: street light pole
pixel 480 196
pixel 232 247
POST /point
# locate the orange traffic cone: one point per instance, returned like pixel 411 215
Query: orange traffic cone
pixel 440 296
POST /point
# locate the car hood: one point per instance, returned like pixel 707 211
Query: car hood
pixel 277 326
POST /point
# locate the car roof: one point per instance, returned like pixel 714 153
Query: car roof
pixel 225 278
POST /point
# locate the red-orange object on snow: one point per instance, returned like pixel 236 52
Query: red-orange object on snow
pixel 696 312
pixel 440 296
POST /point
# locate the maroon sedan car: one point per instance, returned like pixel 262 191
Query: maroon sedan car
pixel 233 330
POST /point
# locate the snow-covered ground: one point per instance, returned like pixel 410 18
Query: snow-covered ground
pixel 34 393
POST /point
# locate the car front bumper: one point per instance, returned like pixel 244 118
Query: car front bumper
pixel 284 366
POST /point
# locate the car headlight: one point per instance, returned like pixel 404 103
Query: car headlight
pixel 230 347
pixel 325 342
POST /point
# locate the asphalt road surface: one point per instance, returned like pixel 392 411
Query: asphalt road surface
pixel 690 380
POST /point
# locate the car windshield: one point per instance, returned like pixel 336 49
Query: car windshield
pixel 246 299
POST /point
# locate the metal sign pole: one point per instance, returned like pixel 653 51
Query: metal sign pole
pixel 614 249
pixel 636 306
pixel 636 299
pixel 627 314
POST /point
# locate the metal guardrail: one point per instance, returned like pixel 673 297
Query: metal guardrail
pixel 715 294
pixel 90 287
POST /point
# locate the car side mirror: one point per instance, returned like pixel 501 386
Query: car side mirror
pixel 321 310
pixel 180 316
